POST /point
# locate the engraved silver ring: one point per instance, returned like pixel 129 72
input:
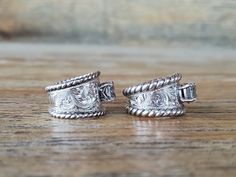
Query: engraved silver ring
pixel 162 97
pixel 80 97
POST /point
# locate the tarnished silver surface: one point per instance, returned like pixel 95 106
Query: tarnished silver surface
pixel 160 97
pixel 80 97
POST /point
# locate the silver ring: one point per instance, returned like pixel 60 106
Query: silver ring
pixel 79 97
pixel 160 97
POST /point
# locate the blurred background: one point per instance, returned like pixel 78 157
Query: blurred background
pixel 210 23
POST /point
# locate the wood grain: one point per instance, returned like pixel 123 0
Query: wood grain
pixel 201 143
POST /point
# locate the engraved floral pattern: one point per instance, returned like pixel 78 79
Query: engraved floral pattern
pixel 82 98
pixel 86 96
pixel 163 98
pixel 63 101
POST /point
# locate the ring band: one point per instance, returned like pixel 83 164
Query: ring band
pixel 80 97
pixel 160 97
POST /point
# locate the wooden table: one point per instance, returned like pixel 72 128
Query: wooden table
pixel 201 143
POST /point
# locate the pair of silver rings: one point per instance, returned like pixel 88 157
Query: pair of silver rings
pixel 82 97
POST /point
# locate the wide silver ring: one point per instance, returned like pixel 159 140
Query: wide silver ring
pixel 79 97
pixel 162 97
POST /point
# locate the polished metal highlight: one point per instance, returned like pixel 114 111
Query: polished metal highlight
pixel 80 97
pixel 160 97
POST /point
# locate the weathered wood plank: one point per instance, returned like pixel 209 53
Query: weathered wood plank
pixel 201 143
pixel 150 22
